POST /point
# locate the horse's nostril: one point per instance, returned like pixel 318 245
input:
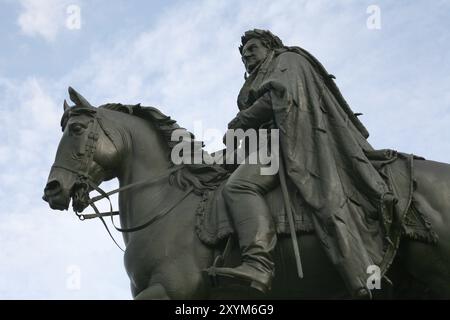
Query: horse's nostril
pixel 52 187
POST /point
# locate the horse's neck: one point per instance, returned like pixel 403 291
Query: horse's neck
pixel 144 154
pixel 145 157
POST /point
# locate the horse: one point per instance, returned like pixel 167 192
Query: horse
pixel 165 259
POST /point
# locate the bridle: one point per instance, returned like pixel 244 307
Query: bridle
pixel 84 179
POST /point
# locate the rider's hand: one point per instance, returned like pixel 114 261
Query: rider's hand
pixel 235 123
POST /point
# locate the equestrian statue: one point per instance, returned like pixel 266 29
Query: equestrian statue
pixel 338 219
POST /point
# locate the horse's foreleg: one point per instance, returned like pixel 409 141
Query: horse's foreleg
pixel 154 292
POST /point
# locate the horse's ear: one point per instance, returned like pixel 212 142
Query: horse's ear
pixel 78 99
pixel 66 105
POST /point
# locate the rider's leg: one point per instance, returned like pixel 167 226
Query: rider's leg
pixel 244 194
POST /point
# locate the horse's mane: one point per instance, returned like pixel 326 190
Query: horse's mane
pixel 164 124
pixel 201 176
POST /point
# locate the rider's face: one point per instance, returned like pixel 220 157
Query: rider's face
pixel 253 53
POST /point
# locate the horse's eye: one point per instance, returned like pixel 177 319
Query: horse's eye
pixel 76 128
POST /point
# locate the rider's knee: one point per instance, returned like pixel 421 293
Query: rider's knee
pixel 233 188
pixel 229 189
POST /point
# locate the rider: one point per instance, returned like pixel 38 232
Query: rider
pixel 325 150
pixel 245 189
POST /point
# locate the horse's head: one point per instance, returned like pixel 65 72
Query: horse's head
pixel 86 156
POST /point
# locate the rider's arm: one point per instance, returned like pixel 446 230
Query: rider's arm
pixel 258 113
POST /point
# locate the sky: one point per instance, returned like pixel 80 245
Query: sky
pixel 390 58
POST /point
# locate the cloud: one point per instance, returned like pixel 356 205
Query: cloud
pixel 43 18
pixel 29 114
pixel 38 249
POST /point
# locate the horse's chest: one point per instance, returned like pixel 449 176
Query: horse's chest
pixel 143 256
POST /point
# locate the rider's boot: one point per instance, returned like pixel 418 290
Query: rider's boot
pixel 257 239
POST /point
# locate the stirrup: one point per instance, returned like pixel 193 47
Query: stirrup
pixel 218 278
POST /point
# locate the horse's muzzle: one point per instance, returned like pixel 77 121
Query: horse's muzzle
pixel 54 195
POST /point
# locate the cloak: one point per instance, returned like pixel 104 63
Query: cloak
pixel 327 160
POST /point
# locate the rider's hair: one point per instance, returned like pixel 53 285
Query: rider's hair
pixel 268 39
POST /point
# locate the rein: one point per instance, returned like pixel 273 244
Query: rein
pixel 106 195
pixel 112 213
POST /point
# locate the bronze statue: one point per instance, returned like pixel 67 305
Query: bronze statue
pixel 327 155
pixel 355 207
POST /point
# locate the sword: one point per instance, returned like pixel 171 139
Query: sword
pixel 287 206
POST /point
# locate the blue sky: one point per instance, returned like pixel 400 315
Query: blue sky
pixel 182 57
